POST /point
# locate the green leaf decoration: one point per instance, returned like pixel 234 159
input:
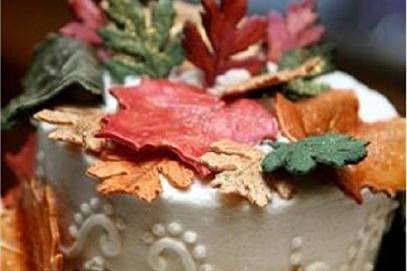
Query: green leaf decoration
pixel 140 47
pixel 301 88
pixel 304 87
pixel 58 63
pixel 301 157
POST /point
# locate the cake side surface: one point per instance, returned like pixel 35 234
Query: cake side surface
pixel 200 229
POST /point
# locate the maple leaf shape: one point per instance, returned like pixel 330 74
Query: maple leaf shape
pixel 384 169
pixel 75 125
pixel 334 111
pixel 22 162
pixel 227 37
pixel 296 30
pixel 140 178
pixel 90 18
pixel 178 117
pixel 239 168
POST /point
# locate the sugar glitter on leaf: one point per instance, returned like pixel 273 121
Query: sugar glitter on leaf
pixel 297 29
pixel 228 34
pixel 140 178
pixel 178 117
pixel 75 125
pixel 299 158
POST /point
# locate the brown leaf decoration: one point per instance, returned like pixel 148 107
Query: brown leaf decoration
pixel 139 178
pixel 75 125
pixel 334 111
pixel 239 171
pixel 41 234
pixel 271 79
pixel 384 169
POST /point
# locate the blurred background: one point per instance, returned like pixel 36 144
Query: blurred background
pixel 370 35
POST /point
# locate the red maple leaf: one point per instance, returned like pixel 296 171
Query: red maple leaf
pixel 227 37
pixel 298 29
pixel 90 18
pixel 175 116
pixel 22 162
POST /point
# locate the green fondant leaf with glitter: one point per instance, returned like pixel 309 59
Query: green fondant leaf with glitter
pixel 59 62
pixel 140 47
pixel 301 157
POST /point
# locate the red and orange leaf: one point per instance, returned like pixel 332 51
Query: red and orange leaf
pixel 227 36
pixel 384 169
pixel 90 17
pixel 160 114
pixel 22 162
pixel 139 178
pixel 334 111
pixel 298 29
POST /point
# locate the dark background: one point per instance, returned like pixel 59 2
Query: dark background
pixel 370 35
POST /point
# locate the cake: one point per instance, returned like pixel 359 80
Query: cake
pixel 235 147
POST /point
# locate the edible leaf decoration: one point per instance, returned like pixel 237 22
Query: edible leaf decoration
pixel 59 63
pixel 239 171
pixel 298 158
pixel 335 112
pixel 89 18
pixel 301 88
pixel 227 35
pixel 75 125
pixel 22 162
pixel 297 29
pixel 268 80
pixel 141 48
pixel 384 169
pixel 176 116
pixel 140 178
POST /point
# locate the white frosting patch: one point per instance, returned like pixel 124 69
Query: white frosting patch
pixel 373 105
pixel 231 77
pixel 194 77
pixel 272 67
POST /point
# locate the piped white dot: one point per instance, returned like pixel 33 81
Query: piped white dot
pixel 174 228
pixel 206 267
pixel 78 218
pixel 73 231
pixel 190 237
pixel 296 243
pixel 295 259
pixel 199 252
pixel 85 208
pixel 158 230
pixel 94 203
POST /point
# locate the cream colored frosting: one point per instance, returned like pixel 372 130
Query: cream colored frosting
pixel 201 230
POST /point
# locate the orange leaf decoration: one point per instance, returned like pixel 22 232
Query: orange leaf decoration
pixel 384 169
pixel 337 112
pixel 139 178
pixel 334 111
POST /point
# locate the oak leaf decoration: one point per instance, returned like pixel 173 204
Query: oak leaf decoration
pixel 297 29
pixel 75 125
pixel 239 171
pixel 139 178
pixel 228 35
pixel 178 117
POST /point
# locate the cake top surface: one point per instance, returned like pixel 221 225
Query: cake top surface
pixel 161 89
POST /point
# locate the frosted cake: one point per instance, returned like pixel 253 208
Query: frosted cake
pixel 176 137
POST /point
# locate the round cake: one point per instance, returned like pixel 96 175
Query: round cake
pixel 175 137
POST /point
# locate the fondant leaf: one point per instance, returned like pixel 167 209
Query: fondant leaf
pixel 175 116
pixel 140 48
pixel 299 158
pixel 297 29
pixel 140 178
pixel 75 125
pixel 89 18
pixel 384 169
pixel 228 35
pixel 59 63
pixel 238 171
pixel 331 112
